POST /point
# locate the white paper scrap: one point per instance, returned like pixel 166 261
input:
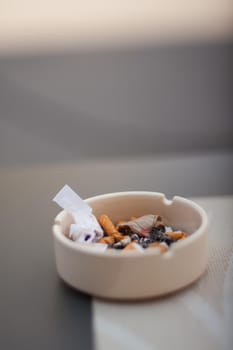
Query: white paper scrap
pixel 67 199
pixel 86 228
pixel 84 233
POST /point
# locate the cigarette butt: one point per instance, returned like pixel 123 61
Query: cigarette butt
pixel 118 237
pixel 125 241
pixel 107 225
pixel 107 240
pixel 177 235
pixel 133 246
pixel 162 247
pixel 129 246
pixel 184 236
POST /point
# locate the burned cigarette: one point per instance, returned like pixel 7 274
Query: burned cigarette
pixel 162 246
pixel 177 235
pixel 133 246
pixel 123 243
pixel 107 240
pixel 107 225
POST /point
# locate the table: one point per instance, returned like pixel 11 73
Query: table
pixel 39 311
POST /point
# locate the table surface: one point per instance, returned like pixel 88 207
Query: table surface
pixel 39 311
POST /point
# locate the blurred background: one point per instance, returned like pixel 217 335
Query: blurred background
pixel 123 94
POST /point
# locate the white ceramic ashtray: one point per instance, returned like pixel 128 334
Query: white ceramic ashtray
pixel 134 274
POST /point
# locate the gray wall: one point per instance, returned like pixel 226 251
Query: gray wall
pixel 131 102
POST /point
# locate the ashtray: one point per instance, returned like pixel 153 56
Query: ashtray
pixel 134 275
